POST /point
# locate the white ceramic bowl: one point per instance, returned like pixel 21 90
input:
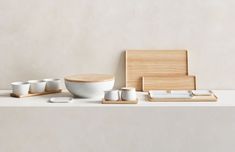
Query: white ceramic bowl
pixel 89 85
pixel 89 89
pixel 52 84
pixel 20 88
pixel 37 86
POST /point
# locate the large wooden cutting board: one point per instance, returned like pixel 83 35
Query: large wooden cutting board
pixel 141 63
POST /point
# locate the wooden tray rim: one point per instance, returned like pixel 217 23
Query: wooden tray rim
pixel 119 101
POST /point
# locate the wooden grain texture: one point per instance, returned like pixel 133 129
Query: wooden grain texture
pixel 119 102
pixel 35 94
pixel 141 63
pixel 168 83
pixel 212 98
pixel 89 78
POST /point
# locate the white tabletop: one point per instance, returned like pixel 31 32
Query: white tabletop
pixel 225 98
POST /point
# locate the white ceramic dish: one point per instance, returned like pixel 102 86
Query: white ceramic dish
pixel 60 99
pixel 89 86
pixel 201 92
pixel 158 92
pixel 20 88
pixel 52 84
pixel 170 95
pixel 179 92
pixel 37 86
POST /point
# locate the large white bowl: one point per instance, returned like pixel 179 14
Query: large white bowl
pixel 89 89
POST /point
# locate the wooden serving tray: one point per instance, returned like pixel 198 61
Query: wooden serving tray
pixel 141 63
pixel 211 98
pixel 35 94
pixel 119 102
pixel 168 83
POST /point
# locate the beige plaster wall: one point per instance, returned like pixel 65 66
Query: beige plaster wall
pixel 54 38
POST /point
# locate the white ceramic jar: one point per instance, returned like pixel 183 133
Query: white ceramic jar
pixel 20 88
pixel 128 94
pixel 111 95
pixel 37 86
pixel 52 84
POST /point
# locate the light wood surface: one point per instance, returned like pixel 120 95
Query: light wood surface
pixel 211 98
pixel 141 63
pixel 119 102
pixel 89 78
pixel 35 94
pixel 168 83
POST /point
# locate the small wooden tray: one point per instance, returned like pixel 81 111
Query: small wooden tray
pixel 211 98
pixel 119 102
pixel 35 94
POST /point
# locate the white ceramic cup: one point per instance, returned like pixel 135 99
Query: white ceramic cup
pixel 128 94
pixel 37 86
pixel 20 88
pixel 111 95
pixel 52 84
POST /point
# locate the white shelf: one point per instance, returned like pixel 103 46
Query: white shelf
pixel 225 98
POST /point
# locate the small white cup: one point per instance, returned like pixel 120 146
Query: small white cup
pixel 128 94
pixel 111 95
pixel 52 84
pixel 20 88
pixel 37 86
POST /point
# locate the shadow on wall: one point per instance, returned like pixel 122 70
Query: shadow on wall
pixel 120 72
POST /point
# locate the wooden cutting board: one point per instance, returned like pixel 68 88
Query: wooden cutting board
pixel 141 63
pixel 169 83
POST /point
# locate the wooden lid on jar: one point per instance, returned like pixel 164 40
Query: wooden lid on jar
pixel 89 78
